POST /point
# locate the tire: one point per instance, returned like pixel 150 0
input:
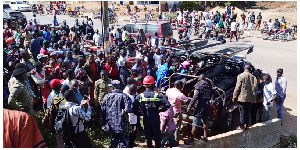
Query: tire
pixel 281 38
pixel 265 36
pixel 289 37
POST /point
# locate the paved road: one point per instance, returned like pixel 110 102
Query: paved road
pixel 267 55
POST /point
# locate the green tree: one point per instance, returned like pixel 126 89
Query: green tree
pixel 190 5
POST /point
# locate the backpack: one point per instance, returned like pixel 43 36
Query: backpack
pixel 63 124
pixel 50 114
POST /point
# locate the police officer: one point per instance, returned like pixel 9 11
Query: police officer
pixel 149 104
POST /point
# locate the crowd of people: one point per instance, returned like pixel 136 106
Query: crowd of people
pixel 54 72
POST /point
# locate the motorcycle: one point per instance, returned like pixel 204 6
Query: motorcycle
pixel 49 10
pixel 40 9
pixel 274 34
pixel 265 33
pixel 96 15
pixel 34 9
pixel 134 15
pixel 289 34
pixel 173 24
pixel 113 18
pixel 150 16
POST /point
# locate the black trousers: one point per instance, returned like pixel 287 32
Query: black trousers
pixel 254 108
pixel 132 136
pixel 153 132
pixel 244 108
pixel 81 140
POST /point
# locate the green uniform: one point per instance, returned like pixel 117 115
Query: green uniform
pixel 19 98
pixel 101 89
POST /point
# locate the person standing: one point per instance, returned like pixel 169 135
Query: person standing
pixel 202 95
pixel 245 93
pixel 148 104
pixel 124 74
pixel 133 119
pixel 101 88
pixel 258 105
pixel 269 94
pixel 55 85
pixel 167 127
pixel 259 18
pixel 251 24
pixel 175 97
pixel 27 134
pixel 280 86
pixel 35 47
pixel 233 30
pixel 19 96
pixel 114 107
pixel 208 24
pixel 97 38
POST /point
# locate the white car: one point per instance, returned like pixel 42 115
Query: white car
pixel 19 5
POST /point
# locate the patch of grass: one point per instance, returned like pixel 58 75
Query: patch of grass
pixel 293 141
pixel 294 6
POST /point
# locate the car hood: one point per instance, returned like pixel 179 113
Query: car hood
pixel 23 5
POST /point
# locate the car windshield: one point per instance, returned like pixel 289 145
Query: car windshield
pixel 16 14
pixel 20 2
pixel 166 28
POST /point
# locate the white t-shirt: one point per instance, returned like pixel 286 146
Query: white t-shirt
pixel 157 59
pixel 121 60
pixel 268 93
pixel 249 16
pixel 97 38
pixel 209 24
pixel 233 26
pixel 270 25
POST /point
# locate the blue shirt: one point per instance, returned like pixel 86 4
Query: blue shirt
pixel 46 35
pixel 161 73
pixel 35 46
pixel 73 61
pixel 78 97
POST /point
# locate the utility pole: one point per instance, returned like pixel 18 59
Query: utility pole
pixel 105 24
pixel 159 7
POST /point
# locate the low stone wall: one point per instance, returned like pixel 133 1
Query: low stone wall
pixel 261 135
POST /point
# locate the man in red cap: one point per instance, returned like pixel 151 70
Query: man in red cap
pixel 55 85
pixel 147 104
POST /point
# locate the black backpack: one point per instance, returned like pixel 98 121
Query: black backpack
pixel 63 124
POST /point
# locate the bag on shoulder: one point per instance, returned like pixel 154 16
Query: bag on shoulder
pixel 50 114
pixel 63 124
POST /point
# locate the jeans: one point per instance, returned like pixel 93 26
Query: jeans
pixel 122 138
pixel 279 107
pixel 178 121
pixel 266 110
pixel 168 136
pixel 244 108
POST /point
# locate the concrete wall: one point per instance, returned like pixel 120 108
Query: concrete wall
pixel 261 135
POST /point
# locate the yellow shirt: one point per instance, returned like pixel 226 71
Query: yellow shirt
pixel 283 25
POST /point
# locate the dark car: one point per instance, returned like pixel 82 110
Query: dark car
pixel 163 28
pixel 15 18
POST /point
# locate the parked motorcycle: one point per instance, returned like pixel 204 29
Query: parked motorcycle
pixel 289 34
pixel 173 24
pixel 134 15
pixel 96 15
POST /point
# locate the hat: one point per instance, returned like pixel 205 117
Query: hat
pixel 114 83
pixel 18 71
pixel 280 70
pixel 55 82
pixel 39 56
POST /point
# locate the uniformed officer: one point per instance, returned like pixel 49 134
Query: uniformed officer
pixel 149 104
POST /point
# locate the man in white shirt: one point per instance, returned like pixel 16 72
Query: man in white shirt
pixel 97 38
pixel 233 30
pixel 157 57
pixel 71 76
pixel 208 24
pixel 269 95
pixel 270 24
pixel 280 86
pixel 121 59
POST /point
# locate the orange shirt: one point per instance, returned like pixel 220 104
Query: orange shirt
pixel 21 131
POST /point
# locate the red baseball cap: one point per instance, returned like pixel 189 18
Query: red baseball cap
pixel 55 82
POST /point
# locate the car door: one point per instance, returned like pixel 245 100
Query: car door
pixel 13 5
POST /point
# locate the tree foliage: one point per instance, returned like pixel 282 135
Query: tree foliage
pixel 188 5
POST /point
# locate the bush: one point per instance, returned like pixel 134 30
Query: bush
pixel 190 5
pixel 293 141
